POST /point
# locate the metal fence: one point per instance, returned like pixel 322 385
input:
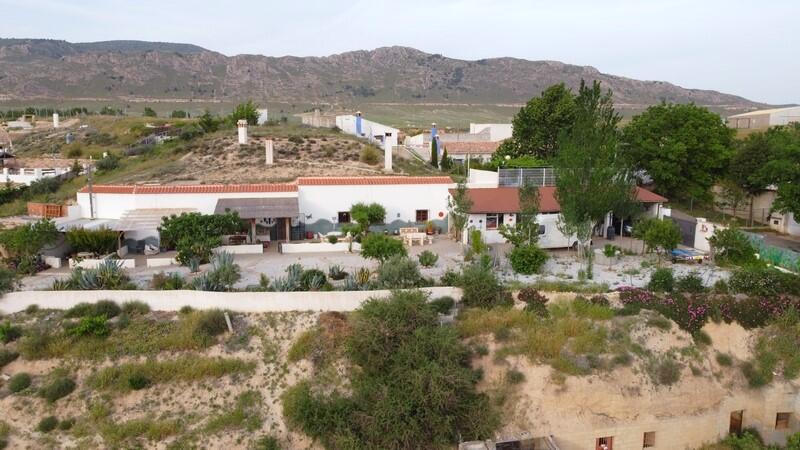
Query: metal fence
pixel 537 176
pixel 778 256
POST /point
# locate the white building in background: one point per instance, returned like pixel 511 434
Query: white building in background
pixel 27 170
pixel 263 116
pixel 765 118
pixel 497 131
pixel 374 132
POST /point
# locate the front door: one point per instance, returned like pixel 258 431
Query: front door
pixel 737 417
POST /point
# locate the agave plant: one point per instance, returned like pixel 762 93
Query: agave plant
pixel 285 284
pixel 335 272
pixel 294 271
pixel 207 282
pixel 61 285
pixel 316 282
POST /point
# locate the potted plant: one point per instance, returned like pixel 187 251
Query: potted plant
pixel 429 227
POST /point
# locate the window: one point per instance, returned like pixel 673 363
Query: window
pixel 782 420
pixel 604 443
pixel 344 217
pixel 542 230
pixel 493 221
pixel 422 215
pixel 737 417
pixel 649 439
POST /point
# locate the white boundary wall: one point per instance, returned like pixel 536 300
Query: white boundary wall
pixel 234 301
pixel 320 247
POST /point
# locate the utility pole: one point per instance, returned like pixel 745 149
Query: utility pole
pixel 89 186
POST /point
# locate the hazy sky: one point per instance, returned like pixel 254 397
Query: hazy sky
pixel 750 48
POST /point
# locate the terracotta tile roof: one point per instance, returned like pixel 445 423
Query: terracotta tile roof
pixel 371 181
pixel 646 196
pixel 470 148
pixel 190 189
pixel 506 199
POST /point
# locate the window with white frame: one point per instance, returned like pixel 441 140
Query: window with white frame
pixel 493 221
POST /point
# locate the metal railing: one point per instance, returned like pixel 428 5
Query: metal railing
pixel 537 176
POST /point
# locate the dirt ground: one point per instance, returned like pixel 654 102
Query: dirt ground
pixel 223 160
pixel 191 402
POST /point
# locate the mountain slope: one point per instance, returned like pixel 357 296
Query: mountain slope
pixel 134 70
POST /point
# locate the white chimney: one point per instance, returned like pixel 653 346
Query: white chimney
pixel 387 152
pixel 55 120
pixel 242 125
pixel 268 148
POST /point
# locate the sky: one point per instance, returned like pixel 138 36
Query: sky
pixel 748 48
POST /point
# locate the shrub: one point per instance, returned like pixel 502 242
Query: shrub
pixel 79 310
pixel 9 332
pixel 664 370
pixel 381 247
pixel 138 381
pixel 212 322
pixel 369 155
pixel 172 281
pixel 691 282
pixel 58 388
pixel 90 326
pixel 32 309
pixel 731 246
pixel 47 424
pixel 406 364
pixel 442 305
pixel 527 259
pixel 763 281
pixel 108 163
pixel 599 300
pixel 514 376
pixel 332 239
pixel 659 322
pixel 19 382
pixel 108 275
pixel 66 424
pixel 662 280
pixel 481 288
pixel 399 272
pixel 7 356
pixel 268 443
pixel 427 258
pixel 101 241
pixel 312 280
pixel 534 301
pixel 724 359
pixel 135 308
pixel 450 278
pixel 106 308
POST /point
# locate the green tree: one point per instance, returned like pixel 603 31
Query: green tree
pixel 663 236
pixel 447 161
pixel 526 230
pixel 208 122
pixel 458 206
pixel 685 149
pixel 195 235
pixel 731 246
pixel 591 179
pixel 784 167
pixel 730 195
pixel 26 241
pixel 149 112
pixel 434 152
pixel 539 124
pixel 747 168
pixel 381 247
pixel 245 111
pixel 367 215
pixel 178 114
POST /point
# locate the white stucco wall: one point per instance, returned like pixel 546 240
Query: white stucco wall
pixel 113 206
pixel 497 131
pixel 234 301
pixel 400 200
pixel 704 230
pixel 552 237
pixel 483 178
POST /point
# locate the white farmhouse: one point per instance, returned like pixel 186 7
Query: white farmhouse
pixel 275 212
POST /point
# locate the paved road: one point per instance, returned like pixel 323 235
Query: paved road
pixel 774 239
